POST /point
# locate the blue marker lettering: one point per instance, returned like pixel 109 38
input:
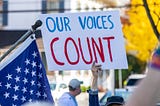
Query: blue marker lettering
pixel 104 22
pixel 97 21
pixel 89 22
pixel 66 23
pixel 59 24
pixel 47 24
pixel 112 25
pixel 94 22
pixel 82 23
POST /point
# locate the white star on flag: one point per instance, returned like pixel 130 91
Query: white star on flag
pixel 9 76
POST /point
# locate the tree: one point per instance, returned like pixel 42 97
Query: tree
pixel 140 36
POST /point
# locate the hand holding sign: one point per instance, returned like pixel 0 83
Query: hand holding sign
pixel 95 69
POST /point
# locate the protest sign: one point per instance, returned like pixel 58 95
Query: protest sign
pixel 72 41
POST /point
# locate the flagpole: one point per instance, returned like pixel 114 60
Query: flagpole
pixel 37 24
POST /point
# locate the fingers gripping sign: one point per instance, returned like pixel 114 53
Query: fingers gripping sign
pixel 96 68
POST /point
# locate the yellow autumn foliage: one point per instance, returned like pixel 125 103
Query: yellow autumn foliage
pixel 139 35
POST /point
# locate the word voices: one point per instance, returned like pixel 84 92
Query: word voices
pixel 93 48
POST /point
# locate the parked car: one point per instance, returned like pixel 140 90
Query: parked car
pixel 118 92
pixel 57 89
pixel 133 80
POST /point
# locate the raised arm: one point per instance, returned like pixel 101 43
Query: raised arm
pixel 95 70
pixel 93 92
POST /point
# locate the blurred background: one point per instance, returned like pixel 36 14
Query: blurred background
pixel 140 26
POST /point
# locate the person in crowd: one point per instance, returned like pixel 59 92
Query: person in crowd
pixel 147 91
pixel 149 88
pixel 69 98
pixel 115 101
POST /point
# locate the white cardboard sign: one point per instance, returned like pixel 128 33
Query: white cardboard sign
pixel 72 41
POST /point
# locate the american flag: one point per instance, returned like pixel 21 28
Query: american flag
pixel 23 77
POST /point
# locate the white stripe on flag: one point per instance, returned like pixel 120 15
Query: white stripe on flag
pixel 17 51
